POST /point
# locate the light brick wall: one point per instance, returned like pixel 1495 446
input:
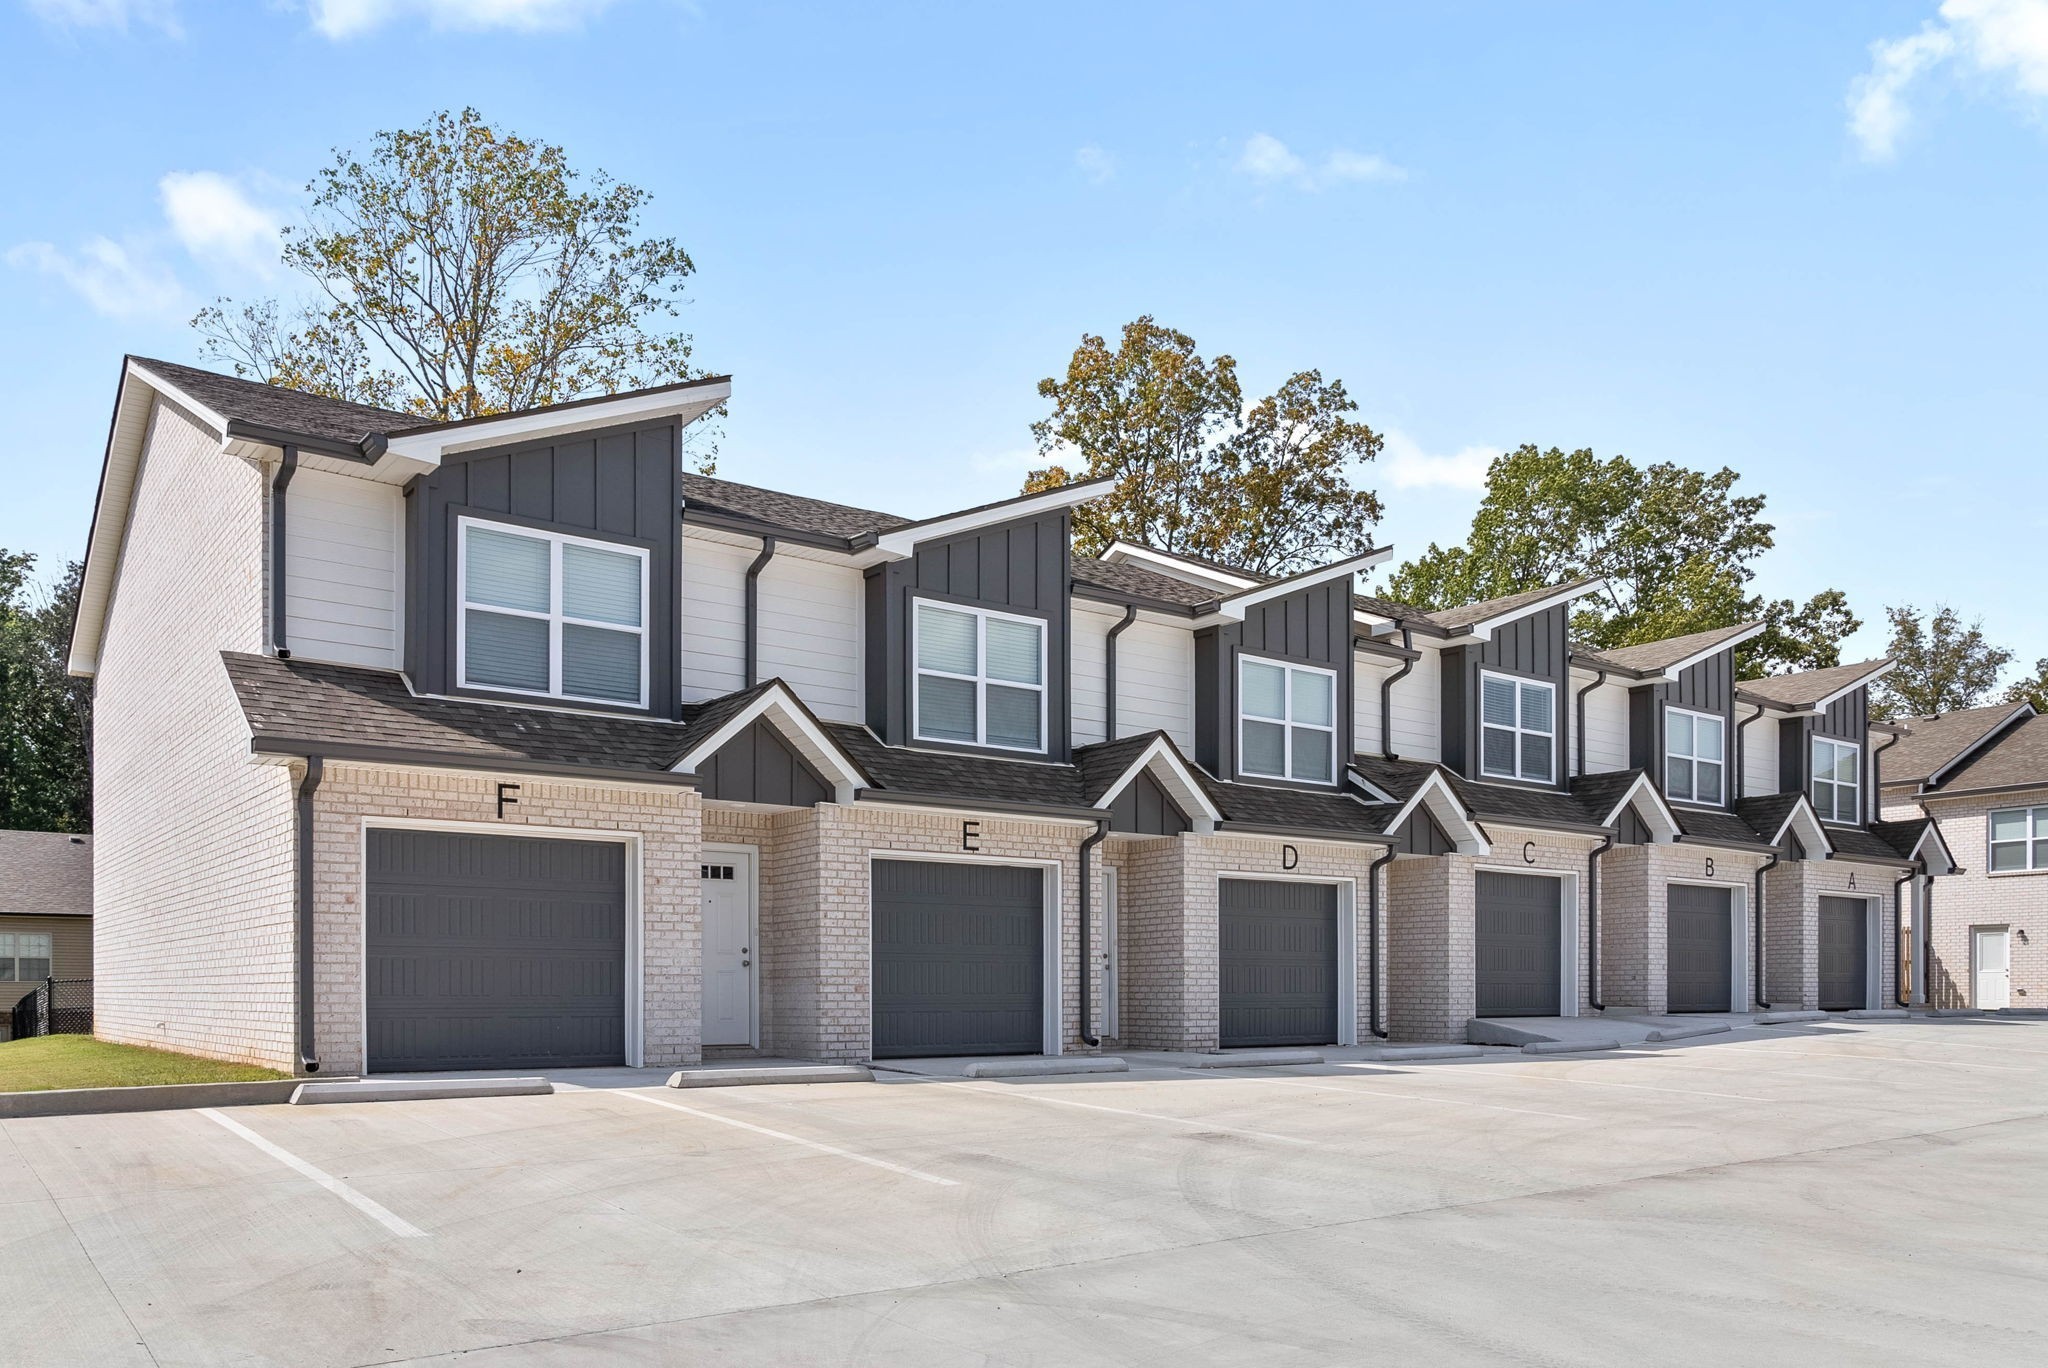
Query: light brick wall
pixel 1977 897
pixel 1634 914
pixel 1792 894
pixel 668 822
pixel 192 859
pixel 1432 962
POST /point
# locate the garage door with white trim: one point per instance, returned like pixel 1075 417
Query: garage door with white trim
pixel 1276 943
pixel 1844 954
pixel 1519 944
pixel 493 952
pixel 1699 948
pixel 959 959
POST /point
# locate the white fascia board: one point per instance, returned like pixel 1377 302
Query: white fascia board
pixel 1656 813
pixel 1672 671
pixel 1379 795
pixel 1443 805
pixel 1178 566
pixel 1174 773
pixel 1237 605
pixel 684 403
pixel 1812 834
pixel 899 543
pixel 1859 682
pixel 1941 850
pixel 780 707
pixel 1482 630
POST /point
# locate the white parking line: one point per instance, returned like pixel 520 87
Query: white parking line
pixel 1373 1090
pixel 817 1145
pixel 988 1091
pixel 373 1210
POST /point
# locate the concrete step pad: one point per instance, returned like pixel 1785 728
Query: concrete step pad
pixel 1663 1033
pixel 1480 1031
pixel 1878 1014
pixel 1550 1047
pixel 418 1089
pixel 1254 1059
pixel 1394 1054
pixel 1785 1018
pixel 745 1076
pixel 1036 1068
pixel 1957 1012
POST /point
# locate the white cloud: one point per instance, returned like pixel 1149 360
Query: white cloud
pixel 1408 466
pixel 1096 164
pixel 120 281
pixel 2004 40
pixel 353 18
pixel 112 14
pixel 215 220
pixel 1265 158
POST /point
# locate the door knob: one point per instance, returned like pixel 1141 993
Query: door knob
pixel 745 963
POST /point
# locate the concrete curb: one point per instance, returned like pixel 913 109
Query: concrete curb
pixel 1255 1059
pixel 1878 1014
pixel 1035 1068
pixel 1957 1012
pixel 1550 1047
pixel 1664 1033
pixel 2025 1013
pixel 417 1090
pixel 1785 1018
pixel 1393 1054
pixel 756 1077
pixel 160 1097
pixel 1493 1033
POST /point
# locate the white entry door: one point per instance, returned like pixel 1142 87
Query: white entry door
pixel 1992 956
pixel 731 963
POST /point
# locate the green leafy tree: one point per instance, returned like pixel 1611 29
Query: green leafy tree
pixel 1942 664
pixel 1266 488
pixel 45 715
pixel 1675 549
pixel 459 269
pixel 2033 689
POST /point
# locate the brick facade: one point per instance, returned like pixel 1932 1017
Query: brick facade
pixel 1792 894
pixel 1976 897
pixel 1635 885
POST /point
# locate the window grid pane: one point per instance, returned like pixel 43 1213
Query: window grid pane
pixel 1264 690
pixel 1013 716
pixel 506 570
pixel 1313 703
pixel 946 641
pixel 1265 749
pixel 1014 651
pixel 598 662
pixel 602 586
pixel 946 709
pixel 505 652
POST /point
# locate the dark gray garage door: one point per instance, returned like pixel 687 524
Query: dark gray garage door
pixel 1699 949
pixel 959 959
pixel 1844 954
pixel 494 952
pixel 1519 944
pixel 1277 963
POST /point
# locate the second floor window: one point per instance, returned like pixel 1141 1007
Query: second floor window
pixel 24 956
pixel 547 614
pixel 2019 839
pixel 1517 728
pixel 1835 786
pixel 1693 756
pixel 980 678
pixel 1287 721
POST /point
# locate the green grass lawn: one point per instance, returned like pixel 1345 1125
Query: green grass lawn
pixel 75 1061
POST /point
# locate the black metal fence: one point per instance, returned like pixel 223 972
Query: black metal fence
pixel 57 1007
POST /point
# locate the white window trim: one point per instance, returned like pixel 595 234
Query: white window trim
pixel 1813 781
pixel 1720 761
pixel 14 957
pixel 555 618
pixel 1286 722
pixel 2037 829
pixel 1518 729
pixel 980 681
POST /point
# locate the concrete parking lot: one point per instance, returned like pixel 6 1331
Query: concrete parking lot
pixel 1828 1194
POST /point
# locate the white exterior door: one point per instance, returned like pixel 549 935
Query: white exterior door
pixel 1991 956
pixel 730 962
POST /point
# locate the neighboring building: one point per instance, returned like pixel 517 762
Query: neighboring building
pixel 505 743
pixel 1981 775
pixel 45 912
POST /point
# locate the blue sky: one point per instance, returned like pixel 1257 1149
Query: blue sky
pixel 1801 240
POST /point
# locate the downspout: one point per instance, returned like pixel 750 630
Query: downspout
pixel 286 468
pixel 1372 931
pixel 1902 992
pixel 1579 704
pixel 1593 921
pixel 309 1059
pixel 1088 1036
pixel 753 623
pixel 1109 672
pixel 1873 808
pixel 1737 787
pixel 1756 925
pixel 1387 693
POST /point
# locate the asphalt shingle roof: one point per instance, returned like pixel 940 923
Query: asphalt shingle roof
pixel 1902 836
pixel 45 873
pixel 1495 802
pixel 1718 827
pixel 1931 742
pixel 1652 656
pixel 1122 577
pixel 1301 809
pixel 1862 843
pixel 792 511
pixel 2018 759
pixel 1807 687
pixel 310 415
pixel 1599 793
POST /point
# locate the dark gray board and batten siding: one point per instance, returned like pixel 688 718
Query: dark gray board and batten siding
pixel 1145 808
pixel 758 766
pixel 1845 719
pixel 1311 626
pixel 620 485
pixel 1706 687
pixel 1537 647
pixel 1017 567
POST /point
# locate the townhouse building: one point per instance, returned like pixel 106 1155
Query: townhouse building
pixel 508 743
pixel 1980 776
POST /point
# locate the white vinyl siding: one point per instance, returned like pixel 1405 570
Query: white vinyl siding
pixel 1837 774
pixel 810 635
pixel 343 573
pixel 2019 840
pixel 1517 728
pixel 1695 756
pixel 1759 755
pixel 1606 728
pixel 1088 651
pixel 1286 721
pixel 1155 676
pixel 1415 706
